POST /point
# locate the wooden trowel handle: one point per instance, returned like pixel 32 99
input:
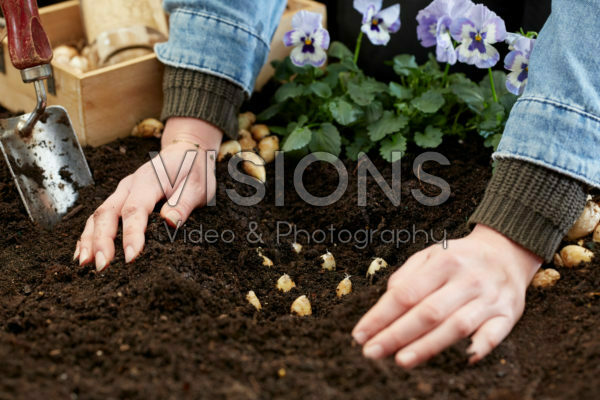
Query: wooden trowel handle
pixel 28 44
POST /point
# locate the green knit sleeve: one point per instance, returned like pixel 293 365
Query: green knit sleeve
pixel 530 204
pixel 199 95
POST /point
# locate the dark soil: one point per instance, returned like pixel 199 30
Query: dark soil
pixel 175 324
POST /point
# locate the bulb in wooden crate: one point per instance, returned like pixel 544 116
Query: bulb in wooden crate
pixel 79 63
pixel 63 54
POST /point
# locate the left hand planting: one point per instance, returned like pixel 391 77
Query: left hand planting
pixel 474 287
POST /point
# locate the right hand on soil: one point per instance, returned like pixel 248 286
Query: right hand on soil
pixel 137 194
pixel 476 287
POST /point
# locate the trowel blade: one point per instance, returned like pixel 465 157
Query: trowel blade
pixel 48 164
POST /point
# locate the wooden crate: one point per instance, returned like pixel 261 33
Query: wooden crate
pixel 104 104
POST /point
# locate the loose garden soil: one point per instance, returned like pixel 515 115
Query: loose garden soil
pixel 175 324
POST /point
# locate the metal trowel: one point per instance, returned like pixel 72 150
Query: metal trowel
pixel 40 148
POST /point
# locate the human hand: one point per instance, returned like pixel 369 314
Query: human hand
pixel 137 194
pixel 474 287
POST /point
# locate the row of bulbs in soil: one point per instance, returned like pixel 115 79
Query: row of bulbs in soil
pixel 574 255
pixel 301 306
pixel 255 144
pixel 257 138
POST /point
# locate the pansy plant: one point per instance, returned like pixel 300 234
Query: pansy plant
pixel 377 24
pixel 477 32
pixel 338 108
pixel 309 38
pixel 517 62
pixel 434 26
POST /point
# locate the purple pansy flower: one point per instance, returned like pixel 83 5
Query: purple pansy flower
pixel 517 62
pixel 434 26
pixel 476 33
pixel 310 39
pixel 377 24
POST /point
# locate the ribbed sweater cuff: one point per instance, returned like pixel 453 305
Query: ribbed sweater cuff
pixel 199 95
pixel 532 205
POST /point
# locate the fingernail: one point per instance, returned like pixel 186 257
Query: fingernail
pixel 407 358
pixel 100 261
pixel 77 249
pixel 360 337
pixel 84 256
pixel 373 351
pixel 129 254
pixel 173 217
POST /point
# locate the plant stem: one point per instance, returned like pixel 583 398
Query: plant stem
pixel 446 70
pixel 493 86
pixel 357 49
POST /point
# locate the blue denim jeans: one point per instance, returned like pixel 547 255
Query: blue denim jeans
pixel 556 123
pixel 229 39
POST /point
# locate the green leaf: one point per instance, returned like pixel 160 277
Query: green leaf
pixel 469 93
pixel 292 126
pixel 492 117
pixel 374 86
pixel 320 89
pixel 431 139
pixel 343 112
pixel 404 64
pixel 359 95
pixel 298 139
pixel 508 101
pixel 270 112
pixel 429 102
pixel 393 147
pixel 499 84
pixel 327 138
pixel 285 69
pixel 349 64
pixel 287 91
pixel 363 92
pixel 360 144
pixel 333 73
pixel 400 92
pixel 373 112
pixel 389 123
pixel 493 141
pixel 278 130
pixel 340 51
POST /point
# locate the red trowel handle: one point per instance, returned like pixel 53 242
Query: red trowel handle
pixel 28 44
